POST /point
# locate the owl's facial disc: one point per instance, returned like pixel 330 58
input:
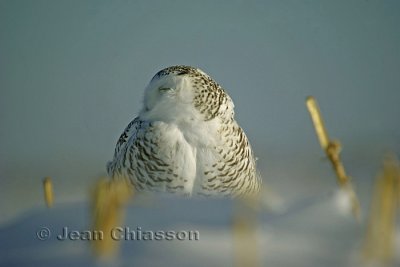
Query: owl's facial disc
pixel 167 95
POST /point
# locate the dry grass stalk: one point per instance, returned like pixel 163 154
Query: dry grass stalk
pixel 245 231
pixel 332 149
pixel 379 242
pixel 48 192
pixel 108 200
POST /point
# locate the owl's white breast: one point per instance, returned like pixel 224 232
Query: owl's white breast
pixel 193 143
pixel 202 137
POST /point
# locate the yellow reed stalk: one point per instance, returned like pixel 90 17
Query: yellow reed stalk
pixel 245 231
pixel 332 148
pixel 108 201
pixel 379 241
pixel 319 125
pixel 48 192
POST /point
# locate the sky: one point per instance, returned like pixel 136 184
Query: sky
pixel 72 75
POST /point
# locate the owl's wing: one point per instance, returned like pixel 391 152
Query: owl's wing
pixel 129 132
pixel 153 157
pixel 232 171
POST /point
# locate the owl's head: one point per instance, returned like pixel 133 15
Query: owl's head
pixel 185 93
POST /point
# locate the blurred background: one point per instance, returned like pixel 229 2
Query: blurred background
pixel 72 75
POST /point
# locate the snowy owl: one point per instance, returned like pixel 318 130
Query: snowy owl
pixel 186 140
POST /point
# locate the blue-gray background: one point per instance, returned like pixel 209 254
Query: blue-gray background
pixel 72 75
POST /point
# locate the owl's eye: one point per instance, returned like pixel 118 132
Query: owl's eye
pixel 164 89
